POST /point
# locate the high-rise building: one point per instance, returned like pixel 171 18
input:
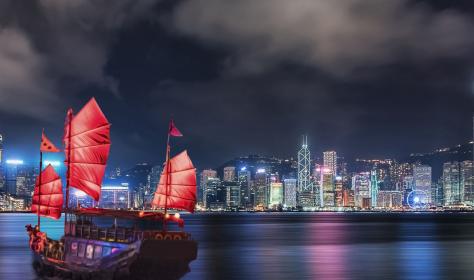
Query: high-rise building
pixel 216 194
pixel 389 199
pixel 245 182
pixel 330 162
pixel 290 192
pixel 11 172
pixel 422 180
pixel 451 183
pixel 374 187
pixel 206 174
pixel 154 178
pixel 276 193
pixel 233 193
pixel 328 188
pixel 361 188
pixel 304 168
pixel 229 174
pixel 338 191
pixel 467 184
pixel 261 184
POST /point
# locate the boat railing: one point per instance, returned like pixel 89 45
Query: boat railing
pixel 123 234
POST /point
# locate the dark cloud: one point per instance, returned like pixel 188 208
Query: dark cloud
pixel 335 36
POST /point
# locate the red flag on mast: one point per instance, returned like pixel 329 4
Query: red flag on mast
pixel 47 145
pixel 173 130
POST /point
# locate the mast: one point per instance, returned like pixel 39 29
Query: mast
pixel 39 188
pixel 68 163
pixel 167 184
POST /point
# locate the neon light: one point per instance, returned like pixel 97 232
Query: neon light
pixel 14 161
pixel 261 170
pixel 243 168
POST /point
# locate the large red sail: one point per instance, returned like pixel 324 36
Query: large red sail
pixel 48 197
pixel 88 134
pixel 181 191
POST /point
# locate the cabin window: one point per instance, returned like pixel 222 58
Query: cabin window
pixel 106 251
pixel 90 251
pixel 97 252
pixel 74 248
pixel 82 249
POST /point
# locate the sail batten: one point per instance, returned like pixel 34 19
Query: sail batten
pixel 177 189
pixel 87 148
pixel 49 196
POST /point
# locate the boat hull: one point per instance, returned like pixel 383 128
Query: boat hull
pixel 138 260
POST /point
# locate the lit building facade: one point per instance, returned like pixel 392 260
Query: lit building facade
pixel 206 175
pixel 115 197
pixel 290 186
pixel 422 180
pixel 361 188
pixel 451 183
pixel 233 194
pixel 276 193
pixel 229 174
pixel 330 161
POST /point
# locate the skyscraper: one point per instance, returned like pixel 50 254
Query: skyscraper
pixel 330 161
pixel 206 174
pixel 361 188
pixel 229 174
pixel 305 184
pixel 467 184
pixel 374 187
pixel 451 183
pixel 276 193
pixel 244 181
pixel 261 188
pixel 290 192
pixel 422 180
pixel 233 193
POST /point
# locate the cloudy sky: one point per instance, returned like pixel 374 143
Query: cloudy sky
pixel 368 78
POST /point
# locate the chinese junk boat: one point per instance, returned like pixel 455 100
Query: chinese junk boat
pixel 106 242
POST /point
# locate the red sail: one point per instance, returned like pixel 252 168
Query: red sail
pixel 50 196
pixel 181 193
pixel 89 136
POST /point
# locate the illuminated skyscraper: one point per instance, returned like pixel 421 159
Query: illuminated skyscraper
pixel 276 193
pixel 304 169
pixel 290 192
pixel 330 161
pixel 467 185
pixel 244 181
pixel 374 187
pixel 233 193
pixel 229 174
pixel 202 188
pixel 422 180
pixel 115 196
pixel 261 188
pixel 451 183
pixel 361 188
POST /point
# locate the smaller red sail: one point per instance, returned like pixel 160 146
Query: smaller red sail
pixel 48 197
pixel 47 145
pixel 181 191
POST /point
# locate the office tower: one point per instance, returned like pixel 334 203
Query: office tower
pixel 25 180
pixel 229 174
pixel 467 184
pixel 338 191
pixel 374 187
pixel 276 193
pixel 451 183
pixel 261 188
pixel 398 173
pixel 437 192
pixel 244 181
pixel 330 161
pixel 289 186
pixel 348 198
pixel 389 199
pixel 304 168
pixel 154 178
pixel 206 174
pixel 422 180
pixel 138 178
pixel 115 196
pixel 215 193
pixel 11 171
pixel 361 188
pixel 233 193
pixel 328 188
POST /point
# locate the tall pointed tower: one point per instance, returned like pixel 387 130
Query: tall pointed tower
pixel 304 167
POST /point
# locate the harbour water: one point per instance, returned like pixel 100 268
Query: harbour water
pixel 297 245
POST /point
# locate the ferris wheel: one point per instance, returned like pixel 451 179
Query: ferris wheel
pixel 417 199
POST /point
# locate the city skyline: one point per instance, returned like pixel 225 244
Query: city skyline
pixel 231 94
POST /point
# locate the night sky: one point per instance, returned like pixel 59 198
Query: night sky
pixel 367 78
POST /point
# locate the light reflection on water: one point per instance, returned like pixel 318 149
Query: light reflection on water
pixel 298 246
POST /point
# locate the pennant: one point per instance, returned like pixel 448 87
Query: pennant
pixel 47 145
pixel 173 131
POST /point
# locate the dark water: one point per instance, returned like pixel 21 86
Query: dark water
pixel 298 246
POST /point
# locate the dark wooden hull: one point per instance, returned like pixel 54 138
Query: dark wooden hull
pixel 145 259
